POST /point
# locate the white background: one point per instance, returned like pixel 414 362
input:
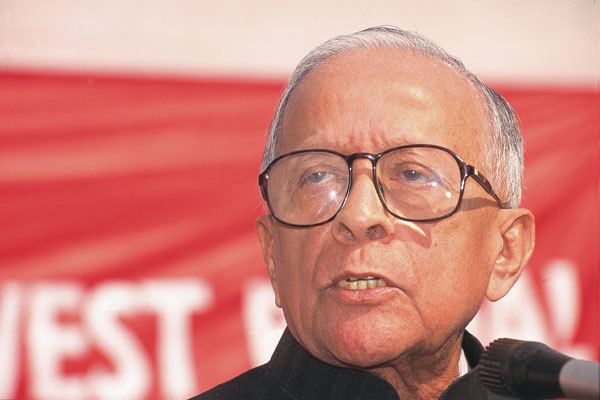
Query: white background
pixel 554 42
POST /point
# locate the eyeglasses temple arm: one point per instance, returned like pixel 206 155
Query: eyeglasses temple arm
pixel 482 180
pixel 262 185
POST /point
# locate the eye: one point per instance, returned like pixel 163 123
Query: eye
pixel 416 176
pixel 316 178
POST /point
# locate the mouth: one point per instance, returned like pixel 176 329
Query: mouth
pixel 356 283
pixel 363 288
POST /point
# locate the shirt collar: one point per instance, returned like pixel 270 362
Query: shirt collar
pixel 463 364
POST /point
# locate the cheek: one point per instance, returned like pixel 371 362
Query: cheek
pixel 456 270
pixel 294 255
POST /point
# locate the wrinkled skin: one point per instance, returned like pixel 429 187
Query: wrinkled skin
pixel 439 273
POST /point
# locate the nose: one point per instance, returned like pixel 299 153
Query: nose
pixel 363 218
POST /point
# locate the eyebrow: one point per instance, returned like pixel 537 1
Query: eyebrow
pixel 379 141
pixel 382 141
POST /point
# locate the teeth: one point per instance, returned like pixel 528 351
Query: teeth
pixel 361 284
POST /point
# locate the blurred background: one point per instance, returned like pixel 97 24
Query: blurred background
pixel 130 140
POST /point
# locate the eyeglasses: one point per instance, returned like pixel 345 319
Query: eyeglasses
pixel 418 182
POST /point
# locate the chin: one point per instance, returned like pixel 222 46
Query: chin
pixel 370 347
pixel 367 357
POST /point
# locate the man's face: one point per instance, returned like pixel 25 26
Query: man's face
pixel 437 273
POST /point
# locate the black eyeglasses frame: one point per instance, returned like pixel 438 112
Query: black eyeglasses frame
pixel 466 170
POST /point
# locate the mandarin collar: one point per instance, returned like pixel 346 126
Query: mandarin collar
pixel 303 376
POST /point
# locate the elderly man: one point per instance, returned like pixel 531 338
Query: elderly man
pixel 384 235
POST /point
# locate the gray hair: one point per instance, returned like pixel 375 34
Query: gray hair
pixel 503 152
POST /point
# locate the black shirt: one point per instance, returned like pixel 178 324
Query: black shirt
pixel 294 374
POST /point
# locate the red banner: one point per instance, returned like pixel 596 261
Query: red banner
pixel 129 267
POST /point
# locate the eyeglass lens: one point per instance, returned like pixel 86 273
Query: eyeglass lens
pixel 416 183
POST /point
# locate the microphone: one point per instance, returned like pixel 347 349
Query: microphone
pixel 532 370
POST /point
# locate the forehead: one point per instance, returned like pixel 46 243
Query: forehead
pixel 370 100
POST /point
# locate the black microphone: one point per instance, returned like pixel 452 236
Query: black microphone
pixel 532 370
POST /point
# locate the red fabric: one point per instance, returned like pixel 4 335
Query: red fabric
pixel 126 179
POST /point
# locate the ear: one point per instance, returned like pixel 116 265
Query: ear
pixel 517 228
pixel 264 229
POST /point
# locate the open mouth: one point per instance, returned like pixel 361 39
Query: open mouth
pixel 353 283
